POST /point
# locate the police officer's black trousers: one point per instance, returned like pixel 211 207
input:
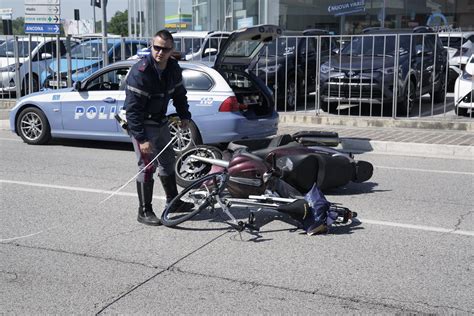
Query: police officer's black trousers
pixel 169 186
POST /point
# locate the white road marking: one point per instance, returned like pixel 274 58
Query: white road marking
pixel 419 227
pixel 368 221
pixel 426 170
pixel 63 187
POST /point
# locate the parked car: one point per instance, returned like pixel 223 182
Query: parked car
pixel 464 90
pixel 194 45
pixel 227 103
pixel 199 45
pixel 288 66
pixel 87 57
pixel 364 71
pixel 460 46
pixel 39 52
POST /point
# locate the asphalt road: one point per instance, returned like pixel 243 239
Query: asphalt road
pixel 62 252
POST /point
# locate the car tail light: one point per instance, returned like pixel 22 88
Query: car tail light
pixel 231 105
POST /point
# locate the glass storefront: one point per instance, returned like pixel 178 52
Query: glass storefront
pixel 340 16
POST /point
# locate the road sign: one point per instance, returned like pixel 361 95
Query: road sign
pixel 43 2
pixel 6 11
pixel 42 28
pixel 42 9
pixel 42 19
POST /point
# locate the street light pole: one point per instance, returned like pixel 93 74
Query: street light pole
pixel 93 10
pixel 104 32
pixel 179 15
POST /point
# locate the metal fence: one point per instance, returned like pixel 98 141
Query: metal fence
pixel 396 74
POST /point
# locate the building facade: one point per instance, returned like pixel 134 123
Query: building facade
pixel 337 16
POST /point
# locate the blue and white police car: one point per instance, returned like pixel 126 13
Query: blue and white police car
pixel 227 102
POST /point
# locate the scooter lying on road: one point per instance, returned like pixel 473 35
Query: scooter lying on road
pixel 261 184
pixel 306 154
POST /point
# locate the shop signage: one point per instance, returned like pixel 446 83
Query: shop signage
pixel 347 7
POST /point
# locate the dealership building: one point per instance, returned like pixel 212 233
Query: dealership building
pixel 339 16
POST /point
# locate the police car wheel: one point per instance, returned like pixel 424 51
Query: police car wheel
pixel 186 138
pixel 33 127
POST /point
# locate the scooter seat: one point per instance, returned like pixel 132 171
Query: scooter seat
pixel 251 145
pixel 263 153
pixel 304 172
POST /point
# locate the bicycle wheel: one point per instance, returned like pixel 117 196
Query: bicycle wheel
pixel 201 193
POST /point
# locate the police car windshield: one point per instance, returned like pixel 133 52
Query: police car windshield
pixel 7 48
pixel 89 50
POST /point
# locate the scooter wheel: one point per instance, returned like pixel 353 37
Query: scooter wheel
pixel 188 170
pixel 364 171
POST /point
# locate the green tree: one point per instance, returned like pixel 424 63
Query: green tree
pixel 19 26
pixel 119 23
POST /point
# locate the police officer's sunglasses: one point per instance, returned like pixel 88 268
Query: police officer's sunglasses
pixel 162 48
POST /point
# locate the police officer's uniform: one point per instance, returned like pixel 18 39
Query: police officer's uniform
pixel 148 93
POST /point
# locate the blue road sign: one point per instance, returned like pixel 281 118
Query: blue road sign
pixel 42 28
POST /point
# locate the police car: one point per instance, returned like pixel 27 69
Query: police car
pixel 227 102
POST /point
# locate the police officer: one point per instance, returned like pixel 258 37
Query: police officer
pixel 151 83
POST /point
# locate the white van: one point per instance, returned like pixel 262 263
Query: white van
pixel 199 45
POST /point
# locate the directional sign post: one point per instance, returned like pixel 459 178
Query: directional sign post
pixel 42 9
pixel 42 16
pixel 42 2
pixel 42 28
pixel 6 11
pixel 44 19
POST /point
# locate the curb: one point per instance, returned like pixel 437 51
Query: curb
pixel 407 149
pixel 5 125
pixel 7 104
pixel 463 124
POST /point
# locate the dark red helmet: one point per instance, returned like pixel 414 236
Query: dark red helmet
pixel 246 175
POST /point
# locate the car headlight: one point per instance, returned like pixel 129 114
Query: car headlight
pixel 325 68
pixel 9 68
pixel 466 76
pixel 271 69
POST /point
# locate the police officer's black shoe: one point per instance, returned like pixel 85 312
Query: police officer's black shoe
pixel 145 211
pixel 181 207
pixel 171 191
pixel 148 217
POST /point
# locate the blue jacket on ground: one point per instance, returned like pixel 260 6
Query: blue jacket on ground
pixel 148 93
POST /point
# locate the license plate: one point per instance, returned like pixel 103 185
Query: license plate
pixel 54 83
